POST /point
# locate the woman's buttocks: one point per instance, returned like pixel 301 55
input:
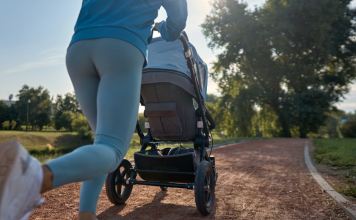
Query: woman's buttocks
pixel 104 50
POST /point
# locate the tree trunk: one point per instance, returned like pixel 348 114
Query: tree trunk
pixel 283 122
pixel 303 131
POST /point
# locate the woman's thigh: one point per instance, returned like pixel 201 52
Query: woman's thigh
pixel 119 65
pixel 85 78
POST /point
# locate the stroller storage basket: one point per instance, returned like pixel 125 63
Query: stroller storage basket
pixel 182 166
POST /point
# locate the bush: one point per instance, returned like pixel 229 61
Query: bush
pixel 85 134
pixel 348 129
pixel 81 125
pixel 66 120
pixel 13 124
pixel 79 122
pixel 5 125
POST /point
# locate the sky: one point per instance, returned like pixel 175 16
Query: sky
pixel 35 35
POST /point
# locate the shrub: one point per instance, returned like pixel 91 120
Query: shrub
pixel 79 122
pixel 81 125
pixel 348 129
pixel 85 134
pixel 13 124
pixel 66 120
pixel 5 125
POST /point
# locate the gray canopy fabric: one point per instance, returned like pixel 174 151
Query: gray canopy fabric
pixel 166 63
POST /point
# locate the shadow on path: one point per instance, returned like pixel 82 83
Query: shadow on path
pixel 156 210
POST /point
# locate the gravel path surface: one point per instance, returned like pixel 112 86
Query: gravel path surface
pixel 265 179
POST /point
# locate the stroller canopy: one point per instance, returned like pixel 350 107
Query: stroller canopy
pixel 166 63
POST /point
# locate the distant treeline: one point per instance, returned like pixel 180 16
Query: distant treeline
pixel 37 105
pixel 265 123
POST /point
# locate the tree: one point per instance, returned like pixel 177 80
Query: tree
pixel 3 112
pixel 40 106
pixel 348 129
pixel 81 125
pixel 267 122
pixel 80 121
pixel 211 98
pixel 67 103
pixel 331 127
pixel 66 120
pixel 294 57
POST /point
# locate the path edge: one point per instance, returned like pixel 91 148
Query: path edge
pixel 337 197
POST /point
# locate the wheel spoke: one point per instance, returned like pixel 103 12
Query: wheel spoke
pixel 123 173
pixel 118 189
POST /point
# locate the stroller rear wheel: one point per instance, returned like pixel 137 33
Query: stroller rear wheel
pixel 116 190
pixel 204 188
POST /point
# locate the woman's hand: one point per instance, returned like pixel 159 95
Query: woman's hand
pixel 157 25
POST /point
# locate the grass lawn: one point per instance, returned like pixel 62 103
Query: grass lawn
pixel 341 154
pixel 39 140
pixel 336 151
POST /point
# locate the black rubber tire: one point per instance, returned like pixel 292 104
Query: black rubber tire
pixel 118 194
pixel 204 188
pixel 164 188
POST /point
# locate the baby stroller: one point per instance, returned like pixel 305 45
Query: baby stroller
pixel 173 91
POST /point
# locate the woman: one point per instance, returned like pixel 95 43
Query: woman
pixel 104 61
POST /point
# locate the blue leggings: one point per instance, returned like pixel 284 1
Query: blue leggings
pixel 106 75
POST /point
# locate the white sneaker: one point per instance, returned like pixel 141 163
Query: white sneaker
pixel 21 179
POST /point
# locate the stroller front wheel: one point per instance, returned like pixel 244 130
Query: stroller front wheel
pixel 116 190
pixel 204 188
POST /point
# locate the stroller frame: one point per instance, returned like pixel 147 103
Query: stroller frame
pixel 127 177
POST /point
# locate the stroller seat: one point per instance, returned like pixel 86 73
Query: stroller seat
pixel 167 91
pixel 170 111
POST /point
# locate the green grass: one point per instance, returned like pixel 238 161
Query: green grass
pixel 39 140
pixel 336 152
pixel 342 154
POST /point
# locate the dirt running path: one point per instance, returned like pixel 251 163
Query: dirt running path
pixel 257 180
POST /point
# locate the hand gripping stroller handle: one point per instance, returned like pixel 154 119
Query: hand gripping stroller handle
pixel 182 38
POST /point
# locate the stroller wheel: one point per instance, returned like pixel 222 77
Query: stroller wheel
pixel 204 188
pixel 117 191
pixel 164 188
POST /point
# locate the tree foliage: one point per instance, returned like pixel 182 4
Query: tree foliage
pixel 348 129
pixel 40 107
pixel 66 120
pixel 81 125
pixel 63 104
pixel 294 58
pixel 3 111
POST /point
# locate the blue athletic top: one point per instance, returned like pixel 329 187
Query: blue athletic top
pixel 129 20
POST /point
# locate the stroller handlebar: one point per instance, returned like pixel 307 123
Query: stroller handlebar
pixel 184 41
